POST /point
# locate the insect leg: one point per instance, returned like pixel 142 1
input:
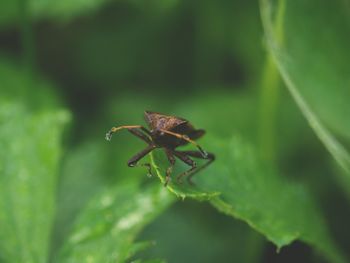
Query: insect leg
pixel 199 155
pixel 129 127
pixel 186 138
pixel 133 161
pixel 140 135
pixel 171 159
pixel 184 157
pixel 210 158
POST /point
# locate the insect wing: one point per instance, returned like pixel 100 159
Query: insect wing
pixel 160 121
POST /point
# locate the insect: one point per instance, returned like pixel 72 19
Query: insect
pixel 168 132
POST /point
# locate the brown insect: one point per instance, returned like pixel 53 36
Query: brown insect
pixel 168 132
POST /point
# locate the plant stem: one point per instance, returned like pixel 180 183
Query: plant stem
pixel 268 109
pixel 27 37
pixel 269 98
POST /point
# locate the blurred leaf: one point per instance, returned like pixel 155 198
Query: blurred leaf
pixel 82 176
pixel 30 147
pixel 59 10
pixel 281 210
pixel 106 229
pixel 307 60
pixel 192 227
pixel 140 246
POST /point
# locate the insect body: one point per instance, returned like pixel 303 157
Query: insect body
pixel 168 132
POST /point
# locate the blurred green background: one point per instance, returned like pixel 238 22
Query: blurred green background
pixel 95 64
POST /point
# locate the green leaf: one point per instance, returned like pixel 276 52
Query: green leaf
pixel 82 176
pixel 281 210
pixel 308 41
pixel 106 229
pixel 30 147
pixel 140 246
pixel 192 227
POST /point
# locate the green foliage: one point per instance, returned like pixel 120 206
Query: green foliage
pixel 316 77
pixel 68 196
pixel 80 176
pixel 254 192
pixel 31 147
pixel 30 153
pixel 105 230
pixel 198 223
